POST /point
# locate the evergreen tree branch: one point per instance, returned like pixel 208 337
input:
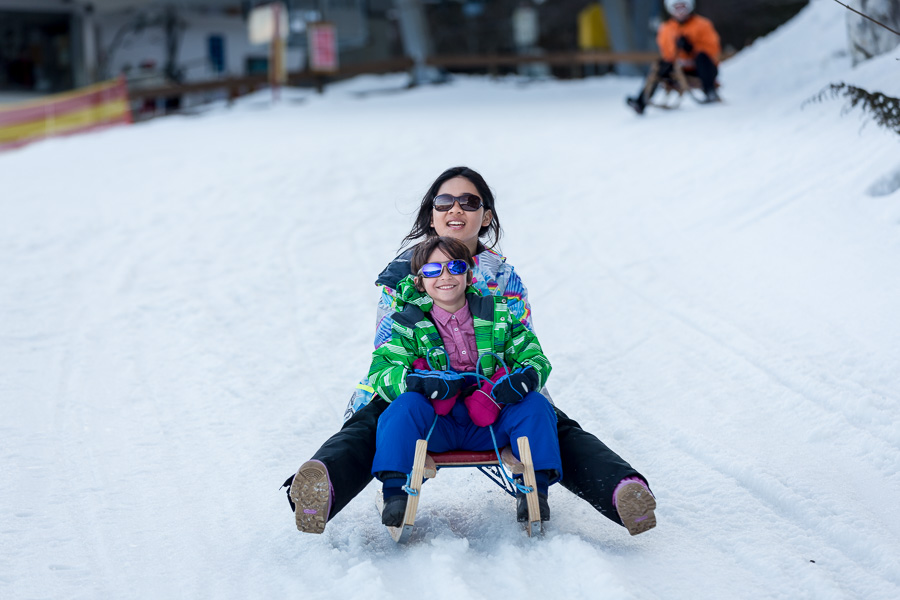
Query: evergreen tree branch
pixel 884 110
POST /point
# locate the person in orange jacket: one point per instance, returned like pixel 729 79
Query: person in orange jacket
pixel 688 40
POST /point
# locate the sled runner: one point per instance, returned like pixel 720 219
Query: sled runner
pixel 426 465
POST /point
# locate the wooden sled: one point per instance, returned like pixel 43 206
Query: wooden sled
pixel 426 465
pixel 675 87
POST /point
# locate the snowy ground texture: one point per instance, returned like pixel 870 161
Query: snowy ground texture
pixel 187 303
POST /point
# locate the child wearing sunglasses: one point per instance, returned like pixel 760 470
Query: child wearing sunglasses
pixel 444 329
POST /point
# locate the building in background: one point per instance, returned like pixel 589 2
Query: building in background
pixel 485 26
pixel 55 45
pixel 41 45
pixel 368 30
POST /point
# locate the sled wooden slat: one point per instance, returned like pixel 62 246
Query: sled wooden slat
pixel 401 534
pixel 430 467
pixel 534 525
pixel 512 463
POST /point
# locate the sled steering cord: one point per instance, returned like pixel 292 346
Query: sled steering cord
pixel 406 487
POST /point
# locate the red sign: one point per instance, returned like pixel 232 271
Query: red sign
pixel 323 53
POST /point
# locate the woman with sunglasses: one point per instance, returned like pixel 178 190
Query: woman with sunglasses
pixel 459 204
pixel 443 332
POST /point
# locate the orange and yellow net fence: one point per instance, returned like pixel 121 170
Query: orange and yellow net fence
pixel 85 109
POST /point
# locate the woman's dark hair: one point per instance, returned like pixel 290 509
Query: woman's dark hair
pixel 453 248
pixel 422 226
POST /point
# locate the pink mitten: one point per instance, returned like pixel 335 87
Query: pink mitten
pixel 500 373
pixel 441 407
pixel 482 409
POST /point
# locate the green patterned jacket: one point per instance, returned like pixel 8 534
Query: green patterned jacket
pixel 414 335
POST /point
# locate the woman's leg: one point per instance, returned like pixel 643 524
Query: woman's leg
pixel 338 471
pixel 348 454
pixel 590 469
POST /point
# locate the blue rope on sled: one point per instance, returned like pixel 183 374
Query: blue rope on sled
pixel 406 488
pixel 525 489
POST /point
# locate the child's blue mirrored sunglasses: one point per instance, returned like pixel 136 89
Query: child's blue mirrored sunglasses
pixel 434 269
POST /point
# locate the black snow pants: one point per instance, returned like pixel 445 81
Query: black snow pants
pixel 591 470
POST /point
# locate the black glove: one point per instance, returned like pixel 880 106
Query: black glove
pixel 685 44
pixel 511 388
pixel 435 385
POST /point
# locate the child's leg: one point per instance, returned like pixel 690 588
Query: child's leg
pixel 534 418
pixel 406 420
pixel 707 72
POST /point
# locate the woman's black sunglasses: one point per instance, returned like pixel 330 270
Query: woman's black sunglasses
pixel 467 202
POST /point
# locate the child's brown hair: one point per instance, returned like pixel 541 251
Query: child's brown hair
pixel 453 248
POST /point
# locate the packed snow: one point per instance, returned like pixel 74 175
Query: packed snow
pixel 187 304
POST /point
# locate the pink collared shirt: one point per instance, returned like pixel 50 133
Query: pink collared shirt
pixel 457 330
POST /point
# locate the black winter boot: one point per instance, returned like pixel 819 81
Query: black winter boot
pixel 394 510
pixel 522 507
pixel 394 497
pixel 637 104
pixel 542 479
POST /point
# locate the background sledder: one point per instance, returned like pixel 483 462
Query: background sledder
pixel 689 57
pixel 443 331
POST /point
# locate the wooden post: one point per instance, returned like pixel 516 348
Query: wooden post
pixel 277 70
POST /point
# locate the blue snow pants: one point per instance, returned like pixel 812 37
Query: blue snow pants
pixel 409 417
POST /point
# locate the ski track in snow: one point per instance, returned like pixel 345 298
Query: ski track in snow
pixel 186 305
pixel 771 492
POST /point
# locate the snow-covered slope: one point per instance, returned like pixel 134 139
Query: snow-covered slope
pixel 186 305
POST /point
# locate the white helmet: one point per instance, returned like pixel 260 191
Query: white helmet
pixel 686 8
